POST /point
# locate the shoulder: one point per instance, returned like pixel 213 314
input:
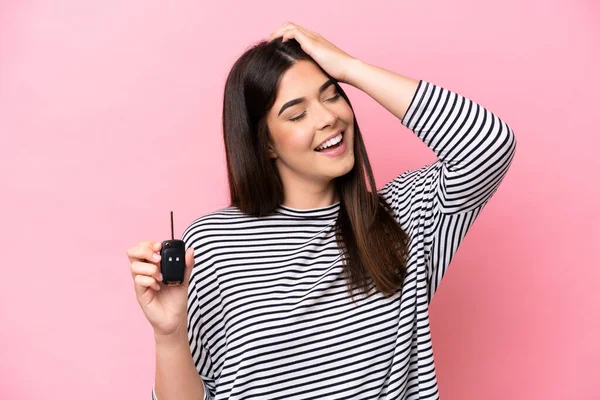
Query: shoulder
pixel 411 182
pixel 214 220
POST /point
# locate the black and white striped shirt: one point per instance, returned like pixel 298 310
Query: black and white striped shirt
pixel 269 316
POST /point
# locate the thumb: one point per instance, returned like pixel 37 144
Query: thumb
pixel 189 265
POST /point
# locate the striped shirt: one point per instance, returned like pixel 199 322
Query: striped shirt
pixel 269 316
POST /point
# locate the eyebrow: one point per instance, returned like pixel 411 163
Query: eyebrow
pixel 301 99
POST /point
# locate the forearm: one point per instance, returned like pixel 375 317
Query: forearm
pixel 393 91
pixel 176 375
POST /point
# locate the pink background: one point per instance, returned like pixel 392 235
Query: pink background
pixel 110 116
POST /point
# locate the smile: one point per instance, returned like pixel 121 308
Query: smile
pixel 334 142
pixel 333 147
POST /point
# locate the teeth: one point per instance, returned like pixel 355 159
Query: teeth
pixel 330 142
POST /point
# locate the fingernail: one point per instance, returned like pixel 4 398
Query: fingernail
pixel 160 277
pixel 156 256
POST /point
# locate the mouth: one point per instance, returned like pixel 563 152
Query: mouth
pixel 332 143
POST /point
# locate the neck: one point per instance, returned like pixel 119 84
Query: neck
pixel 310 195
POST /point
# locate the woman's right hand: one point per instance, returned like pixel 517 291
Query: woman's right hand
pixel 165 306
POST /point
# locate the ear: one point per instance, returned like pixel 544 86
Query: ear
pixel 270 144
pixel 271 152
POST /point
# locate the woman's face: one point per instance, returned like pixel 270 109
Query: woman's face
pixel 301 119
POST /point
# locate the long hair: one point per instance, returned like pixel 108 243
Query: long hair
pixel 373 245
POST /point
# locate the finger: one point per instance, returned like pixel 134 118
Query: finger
pixel 295 33
pixel 142 253
pixel 189 265
pixel 288 33
pixel 308 33
pixel 142 268
pixel 276 32
pixel 286 28
pixel 300 28
pixel 144 282
pixel 151 244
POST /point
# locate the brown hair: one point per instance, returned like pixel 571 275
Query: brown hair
pixel 373 244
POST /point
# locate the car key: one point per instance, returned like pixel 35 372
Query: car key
pixel 172 259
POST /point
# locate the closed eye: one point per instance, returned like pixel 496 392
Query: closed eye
pixel 334 98
pixel 298 117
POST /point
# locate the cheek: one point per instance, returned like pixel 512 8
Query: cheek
pixel 298 140
pixel 347 115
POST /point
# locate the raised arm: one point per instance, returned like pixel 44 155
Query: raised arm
pixel 475 149
pixel 474 146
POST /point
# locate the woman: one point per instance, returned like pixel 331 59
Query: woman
pixel 311 284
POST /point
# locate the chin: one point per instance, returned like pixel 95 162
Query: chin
pixel 347 167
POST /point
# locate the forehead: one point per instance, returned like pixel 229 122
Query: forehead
pixel 302 79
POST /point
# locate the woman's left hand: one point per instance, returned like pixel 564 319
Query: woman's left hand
pixel 333 60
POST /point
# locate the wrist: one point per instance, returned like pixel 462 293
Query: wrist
pixel 175 338
pixel 354 68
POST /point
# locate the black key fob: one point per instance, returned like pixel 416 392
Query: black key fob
pixel 172 259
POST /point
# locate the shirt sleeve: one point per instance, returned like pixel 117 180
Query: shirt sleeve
pixel 196 333
pixel 474 148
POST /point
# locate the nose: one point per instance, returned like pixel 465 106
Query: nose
pixel 326 117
